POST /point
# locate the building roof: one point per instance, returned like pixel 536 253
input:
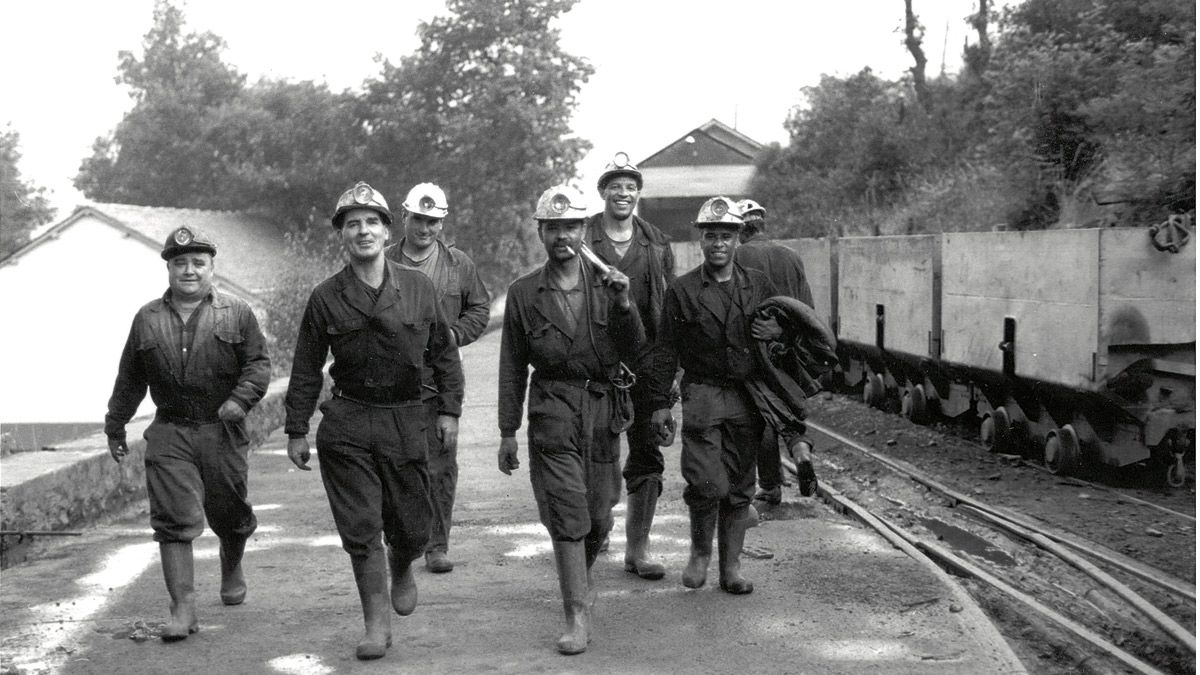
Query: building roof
pixel 710 143
pixel 251 249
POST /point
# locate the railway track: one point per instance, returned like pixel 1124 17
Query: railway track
pixel 1064 597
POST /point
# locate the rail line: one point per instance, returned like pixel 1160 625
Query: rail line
pixel 1064 545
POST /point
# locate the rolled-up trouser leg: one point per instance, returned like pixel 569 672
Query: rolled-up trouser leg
pixel 193 472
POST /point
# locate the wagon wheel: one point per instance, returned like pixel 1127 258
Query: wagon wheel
pixel 1177 472
pixel 995 431
pixel 1062 450
pixel 913 405
pixel 873 390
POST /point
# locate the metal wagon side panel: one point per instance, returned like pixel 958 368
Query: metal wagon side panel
pixel 1046 281
pixel 874 271
pixel 1147 296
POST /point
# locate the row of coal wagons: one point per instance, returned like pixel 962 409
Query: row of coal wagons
pixel 1078 343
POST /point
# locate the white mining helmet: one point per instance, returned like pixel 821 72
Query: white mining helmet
pixel 427 199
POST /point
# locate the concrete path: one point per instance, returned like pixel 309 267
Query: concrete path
pixel 835 598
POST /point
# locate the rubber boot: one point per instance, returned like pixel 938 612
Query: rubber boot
pixel 179 573
pixel 569 558
pixel 404 586
pixel 370 574
pixel 730 537
pixel 703 523
pixel 638 517
pixel 801 451
pixel 233 581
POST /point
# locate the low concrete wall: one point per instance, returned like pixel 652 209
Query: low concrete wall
pixel 76 483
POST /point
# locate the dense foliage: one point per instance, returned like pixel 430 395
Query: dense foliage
pixel 482 108
pixel 1073 113
pixel 22 206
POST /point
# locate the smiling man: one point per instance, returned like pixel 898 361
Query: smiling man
pixel 707 330
pixel 202 356
pixel 574 324
pixel 383 324
pixel 643 253
pixel 465 302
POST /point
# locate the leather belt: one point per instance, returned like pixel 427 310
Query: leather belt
pixel 372 401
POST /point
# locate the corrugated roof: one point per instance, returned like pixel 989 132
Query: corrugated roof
pixel 697 181
pixel 250 249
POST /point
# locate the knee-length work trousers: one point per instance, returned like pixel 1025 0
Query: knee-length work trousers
pixel 373 466
pixel 573 459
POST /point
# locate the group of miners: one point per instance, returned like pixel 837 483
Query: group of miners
pixel 603 337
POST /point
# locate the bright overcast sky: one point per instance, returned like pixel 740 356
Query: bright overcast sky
pixel 663 67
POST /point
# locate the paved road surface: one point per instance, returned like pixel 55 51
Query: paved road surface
pixel 834 598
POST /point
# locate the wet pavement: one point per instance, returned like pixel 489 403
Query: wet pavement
pixel 833 598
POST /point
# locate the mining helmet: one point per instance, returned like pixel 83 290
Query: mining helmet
pixel 187 240
pixel 561 202
pixel 719 212
pixel 428 200
pixel 361 196
pixel 619 166
pixel 748 207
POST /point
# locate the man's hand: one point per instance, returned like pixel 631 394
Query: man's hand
pixel 765 329
pixel 507 455
pixel 231 411
pixel 298 452
pixel 447 431
pixel 663 426
pixel 616 284
pixel 117 449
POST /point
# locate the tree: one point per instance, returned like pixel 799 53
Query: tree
pixel 22 206
pixel 484 105
pixel 158 156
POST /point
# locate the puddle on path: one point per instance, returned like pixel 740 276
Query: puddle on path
pixel 964 541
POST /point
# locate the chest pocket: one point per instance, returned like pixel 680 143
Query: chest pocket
pixel 228 344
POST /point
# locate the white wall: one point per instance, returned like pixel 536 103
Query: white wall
pixel 66 307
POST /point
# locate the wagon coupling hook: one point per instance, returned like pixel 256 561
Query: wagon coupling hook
pixel 1172 234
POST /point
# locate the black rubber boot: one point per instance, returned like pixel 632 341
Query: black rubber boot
pixel 639 516
pixel 730 537
pixel 404 586
pixel 703 523
pixel 233 581
pixel 370 574
pixel 569 558
pixel 179 574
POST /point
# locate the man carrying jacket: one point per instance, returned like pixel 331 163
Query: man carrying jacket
pixel 707 330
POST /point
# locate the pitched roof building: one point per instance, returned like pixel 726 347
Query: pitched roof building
pixel 712 159
pixel 68 298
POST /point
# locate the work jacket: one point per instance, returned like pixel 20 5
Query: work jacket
pixel 379 345
pixel 536 334
pixel 711 344
pixel 226 359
